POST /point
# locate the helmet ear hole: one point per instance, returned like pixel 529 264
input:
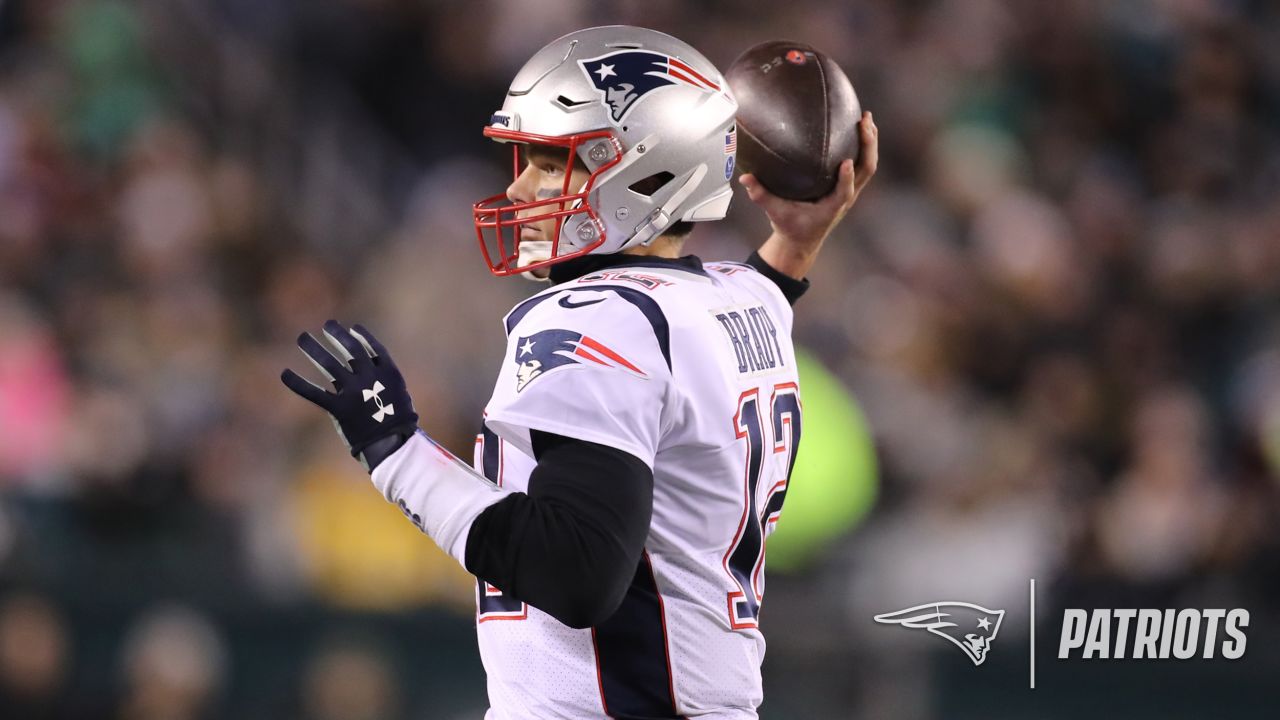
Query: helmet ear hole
pixel 646 187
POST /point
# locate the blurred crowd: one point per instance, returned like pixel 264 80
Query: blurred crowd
pixel 1058 306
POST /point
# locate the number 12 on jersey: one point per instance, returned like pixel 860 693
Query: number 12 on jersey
pixel 744 561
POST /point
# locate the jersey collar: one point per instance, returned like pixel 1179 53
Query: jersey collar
pixel 579 266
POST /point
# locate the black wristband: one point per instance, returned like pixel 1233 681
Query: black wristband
pixel 375 452
pixel 791 288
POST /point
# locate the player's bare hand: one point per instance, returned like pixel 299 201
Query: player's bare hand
pixel 800 227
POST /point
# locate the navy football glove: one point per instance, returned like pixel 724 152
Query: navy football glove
pixel 370 405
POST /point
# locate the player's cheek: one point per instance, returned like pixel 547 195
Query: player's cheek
pixel 548 228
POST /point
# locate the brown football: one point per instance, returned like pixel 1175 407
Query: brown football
pixel 797 118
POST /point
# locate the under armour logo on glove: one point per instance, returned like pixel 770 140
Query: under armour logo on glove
pixel 383 410
pixel 361 371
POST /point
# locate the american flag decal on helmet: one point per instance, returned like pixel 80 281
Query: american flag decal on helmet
pixel 731 141
pixel 626 76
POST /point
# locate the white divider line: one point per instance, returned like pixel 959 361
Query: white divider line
pixel 1033 633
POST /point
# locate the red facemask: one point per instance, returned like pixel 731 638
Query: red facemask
pixel 498 220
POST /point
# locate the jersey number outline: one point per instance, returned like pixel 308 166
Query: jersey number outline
pixel 491 604
pixel 744 561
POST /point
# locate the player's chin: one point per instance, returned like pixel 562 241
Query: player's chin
pixel 535 251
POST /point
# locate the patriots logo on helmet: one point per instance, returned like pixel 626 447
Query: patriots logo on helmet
pixel 542 352
pixel 623 77
pixel 967 626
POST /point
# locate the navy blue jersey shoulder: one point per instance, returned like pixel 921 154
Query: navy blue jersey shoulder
pixel 645 304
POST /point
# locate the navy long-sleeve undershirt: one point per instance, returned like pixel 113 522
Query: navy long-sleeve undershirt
pixel 569 546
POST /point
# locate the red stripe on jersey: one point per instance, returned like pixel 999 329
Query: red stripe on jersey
pixel 610 354
pixel 582 353
pixel 595 648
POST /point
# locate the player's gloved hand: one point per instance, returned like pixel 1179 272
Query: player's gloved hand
pixel 370 405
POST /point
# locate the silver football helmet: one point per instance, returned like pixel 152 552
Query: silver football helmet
pixel 641 110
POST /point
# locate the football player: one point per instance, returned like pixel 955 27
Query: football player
pixel 636 451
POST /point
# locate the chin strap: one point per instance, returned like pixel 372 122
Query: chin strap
pixel 532 252
pixel 661 218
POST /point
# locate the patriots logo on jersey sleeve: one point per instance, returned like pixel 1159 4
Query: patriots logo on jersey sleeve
pixel 626 76
pixel 540 353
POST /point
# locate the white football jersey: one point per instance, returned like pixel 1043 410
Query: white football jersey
pixel 692 371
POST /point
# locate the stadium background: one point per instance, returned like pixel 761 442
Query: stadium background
pixel 1057 307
